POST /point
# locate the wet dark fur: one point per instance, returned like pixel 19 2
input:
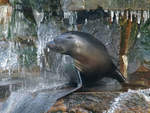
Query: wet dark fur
pixel 100 69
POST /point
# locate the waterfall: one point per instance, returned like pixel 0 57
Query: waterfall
pixel 34 76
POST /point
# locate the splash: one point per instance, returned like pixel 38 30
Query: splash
pixel 9 61
pixel 46 59
pixel 46 32
pixel 130 100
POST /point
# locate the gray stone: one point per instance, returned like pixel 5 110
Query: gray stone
pixel 107 4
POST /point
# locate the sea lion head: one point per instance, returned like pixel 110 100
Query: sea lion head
pixel 66 43
pixel 87 52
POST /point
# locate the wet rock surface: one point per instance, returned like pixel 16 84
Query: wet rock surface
pixel 139 53
pixel 133 98
pixel 6 87
pixel 102 102
pixel 142 78
pixel 85 102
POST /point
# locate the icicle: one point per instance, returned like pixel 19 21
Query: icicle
pixel 71 16
pixel 139 35
pixel 148 14
pixel 145 16
pixel 112 16
pixel 19 44
pixel 32 48
pixel 139 17
pixel 75 27
pixel 127 15
pixel 86 21
pixel 134 13
pixel 48 50
pixel 117 16
pixel 66 14
pixel 106 11
pixel 71 20
pixel 131 15
pixel 122 13
pixel 83 6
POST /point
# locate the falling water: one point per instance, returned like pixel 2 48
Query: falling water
pixel 52 69
pixel 46 32
pixel 8 55
pixel 9 62
pixel 56 63
pixel 5 14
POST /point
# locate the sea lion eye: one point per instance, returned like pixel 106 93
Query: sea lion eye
pixel 69 37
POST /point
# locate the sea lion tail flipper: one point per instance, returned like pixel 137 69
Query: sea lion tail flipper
pixel 118 76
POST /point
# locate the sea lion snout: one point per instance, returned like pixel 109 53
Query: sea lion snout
pixel 50 45
pixel 62 44
pixel 56 46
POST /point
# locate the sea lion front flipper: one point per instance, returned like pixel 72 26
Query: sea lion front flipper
pixel 118 76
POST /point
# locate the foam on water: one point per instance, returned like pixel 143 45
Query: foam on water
pixel 130 99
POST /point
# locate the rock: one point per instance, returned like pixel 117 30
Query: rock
pixel 106 4
pixel 142 78
pixel 139 54
pixel 84 102
pixel 2 2
pixel 58 106
pixel 104 102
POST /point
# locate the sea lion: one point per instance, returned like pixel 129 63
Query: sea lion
pixel 90 56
